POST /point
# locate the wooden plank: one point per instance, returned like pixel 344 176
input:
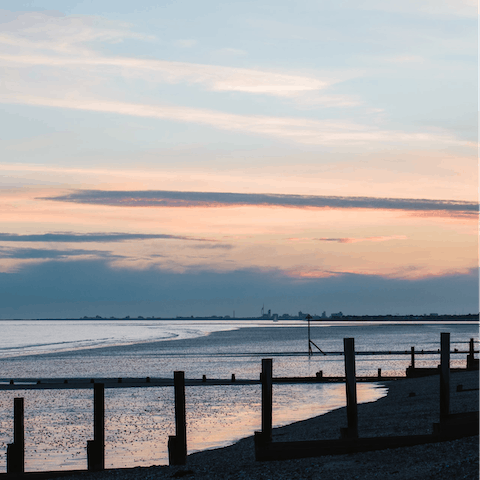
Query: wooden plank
pixel 317 448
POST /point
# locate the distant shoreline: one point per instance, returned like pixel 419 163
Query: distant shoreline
pixel 345 318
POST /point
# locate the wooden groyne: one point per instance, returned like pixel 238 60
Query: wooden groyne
pixel 35 383
pixel 82 383
pixel 449 426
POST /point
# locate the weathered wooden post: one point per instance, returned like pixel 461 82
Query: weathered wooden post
pixel 471 363
pixel 379 373
pixel 267 397
pixel 177 444
pixel 264 437
pixel 412 355
pixel 96 447
pixel 16 450
pixel 351 389
pixel 444 375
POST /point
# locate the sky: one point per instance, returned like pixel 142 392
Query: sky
pixel 204 158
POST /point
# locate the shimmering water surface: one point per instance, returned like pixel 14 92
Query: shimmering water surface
pixel 138 421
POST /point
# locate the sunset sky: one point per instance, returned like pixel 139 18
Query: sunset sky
pixel 195 158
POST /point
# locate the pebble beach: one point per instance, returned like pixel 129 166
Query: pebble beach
pixel 411 407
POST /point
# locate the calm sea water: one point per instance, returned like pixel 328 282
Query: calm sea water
pixel 138 421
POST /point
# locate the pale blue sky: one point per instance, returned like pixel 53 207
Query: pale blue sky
pixel 368 99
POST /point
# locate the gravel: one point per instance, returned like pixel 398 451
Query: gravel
pixel 411 407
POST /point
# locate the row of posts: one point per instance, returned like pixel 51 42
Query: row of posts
pixel 177 444
pixel 95 447
pixel 351 431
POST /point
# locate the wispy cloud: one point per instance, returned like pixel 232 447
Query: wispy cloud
pixel 384 238
pixel 300 130
pixel 66 237
pixel 54 31
pixel 51 254
pixel 151 198
pixel 213 77
pixel 38 39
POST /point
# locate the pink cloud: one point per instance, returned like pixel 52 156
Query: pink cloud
pixel 383 238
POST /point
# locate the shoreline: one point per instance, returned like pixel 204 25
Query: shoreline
pixel 164 343
pixel 398 413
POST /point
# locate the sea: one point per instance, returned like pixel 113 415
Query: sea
pixel 58 423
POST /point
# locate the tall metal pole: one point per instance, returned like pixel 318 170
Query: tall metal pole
pixel 309 341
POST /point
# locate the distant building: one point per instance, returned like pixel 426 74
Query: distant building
pixel 336 315
pixel 267 315
pixel 324 314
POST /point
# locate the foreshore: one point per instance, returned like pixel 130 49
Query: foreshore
pixel 411 407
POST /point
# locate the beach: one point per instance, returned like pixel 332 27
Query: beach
pixel 139 420
pixel 399 413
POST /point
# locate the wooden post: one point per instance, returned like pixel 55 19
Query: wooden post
pixel 267 398
pixel 379 373
pixel 16 450
pixel 264 438
pixel 351 388
pixel 444 375
pixel 471 356
pixel 96 447
pixel 412 354
pixel 177 444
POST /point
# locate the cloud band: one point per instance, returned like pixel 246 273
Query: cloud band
pixel 154 198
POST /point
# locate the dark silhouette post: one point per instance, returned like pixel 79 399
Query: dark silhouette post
pixel 412 354
pixel 471 362
pixel 444 375
pixel 96 447
pixel 16 450
pixel 263 438
pixel 177 444
pixel 351 389
pixel 267 398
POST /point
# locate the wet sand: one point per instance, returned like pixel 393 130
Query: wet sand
pixel 399 413
pixel 138 421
